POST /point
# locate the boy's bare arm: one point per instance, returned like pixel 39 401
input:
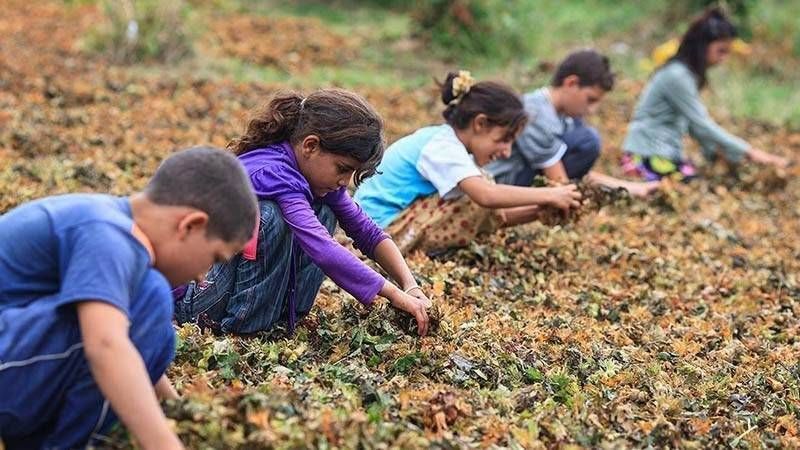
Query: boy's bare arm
pixel 557 173
pixel 121 375
pixel 165 390
pixel 635 188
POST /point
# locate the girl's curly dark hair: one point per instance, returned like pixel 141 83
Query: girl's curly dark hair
pixel 344 122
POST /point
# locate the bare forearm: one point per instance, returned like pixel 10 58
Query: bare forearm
pixel 520 215
pixel 557 172
pixel 389 257
pixel 115 364
pixel 507 196
pixel 640 189
pixel 605 180
pixel 165 390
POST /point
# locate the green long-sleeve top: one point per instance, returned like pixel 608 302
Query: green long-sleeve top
pixel 669 108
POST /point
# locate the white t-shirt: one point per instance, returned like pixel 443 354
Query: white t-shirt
pixel 445 161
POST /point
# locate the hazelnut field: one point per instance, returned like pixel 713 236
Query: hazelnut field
pixel 670 322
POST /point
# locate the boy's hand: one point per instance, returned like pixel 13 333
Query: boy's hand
pixel 565 197
pixel 121 374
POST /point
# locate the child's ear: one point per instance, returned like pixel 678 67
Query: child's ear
pixel 571 81
pixel 195 220
pixel 480 123
pixel 309 145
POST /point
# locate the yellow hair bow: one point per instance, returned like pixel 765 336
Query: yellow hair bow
pixel 461 85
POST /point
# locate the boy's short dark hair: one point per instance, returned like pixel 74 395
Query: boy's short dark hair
pixel 213 181
pixel 591 68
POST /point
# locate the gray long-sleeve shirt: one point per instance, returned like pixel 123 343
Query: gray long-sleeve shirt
pixel 669 108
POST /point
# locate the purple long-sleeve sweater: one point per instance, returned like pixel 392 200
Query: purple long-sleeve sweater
pixel 275 176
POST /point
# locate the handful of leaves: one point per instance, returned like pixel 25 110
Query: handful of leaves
pixel 408 324
pixel 594 197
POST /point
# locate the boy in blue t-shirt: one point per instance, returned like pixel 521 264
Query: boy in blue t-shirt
pixel 85 301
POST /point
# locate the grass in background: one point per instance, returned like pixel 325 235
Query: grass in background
pixel 142 30
pixel 746 94
pixel 519 41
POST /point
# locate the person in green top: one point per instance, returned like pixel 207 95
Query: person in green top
pixel 670 107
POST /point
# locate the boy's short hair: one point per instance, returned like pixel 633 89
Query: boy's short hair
pixel 591 68
pixel 213 181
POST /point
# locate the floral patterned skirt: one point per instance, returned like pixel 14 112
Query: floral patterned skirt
pixel 431 224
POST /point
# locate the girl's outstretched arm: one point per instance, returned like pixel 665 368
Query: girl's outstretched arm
pixel 495 196
pixel 389 257
pixel 761 157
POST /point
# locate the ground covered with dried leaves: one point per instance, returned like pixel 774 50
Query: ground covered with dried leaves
pixel 666 323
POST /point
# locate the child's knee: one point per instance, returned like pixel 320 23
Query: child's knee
pixel 273 225
pixel 585 140
pixel 592 142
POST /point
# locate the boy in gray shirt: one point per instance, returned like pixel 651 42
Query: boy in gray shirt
pixel 555 142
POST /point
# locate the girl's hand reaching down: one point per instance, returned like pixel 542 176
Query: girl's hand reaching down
pixel 762 157
pixel 564 197
pixel 417 292
pixel 415 305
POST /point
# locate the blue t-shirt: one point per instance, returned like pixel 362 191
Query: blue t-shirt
pixel 72 248
pixel 431 160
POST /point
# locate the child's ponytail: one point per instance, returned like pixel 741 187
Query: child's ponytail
pixel 344 122
pixel 464 99
pixel 273 123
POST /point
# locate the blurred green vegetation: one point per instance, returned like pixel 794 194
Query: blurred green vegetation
pixel 406 44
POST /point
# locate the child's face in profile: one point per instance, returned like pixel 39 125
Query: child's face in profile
pixel 190 252
pixel 490 143
pixel 325 171
pixel 718 51
pixel 579 101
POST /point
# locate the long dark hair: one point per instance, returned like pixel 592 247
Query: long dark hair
pixel 711 26
pixel 344 122
pixel 501 105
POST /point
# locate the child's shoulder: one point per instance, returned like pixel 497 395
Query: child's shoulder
pixel 673 70
pixel 420 138
pixel 537 95
pixel 72 210
pixel 75 210
pixel 433 131
pixel 445 144
pixel 539 105
pixel 444 135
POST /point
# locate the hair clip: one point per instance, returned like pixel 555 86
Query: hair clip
pixel 461 86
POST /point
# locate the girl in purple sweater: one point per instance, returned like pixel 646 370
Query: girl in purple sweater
pixel 301 153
